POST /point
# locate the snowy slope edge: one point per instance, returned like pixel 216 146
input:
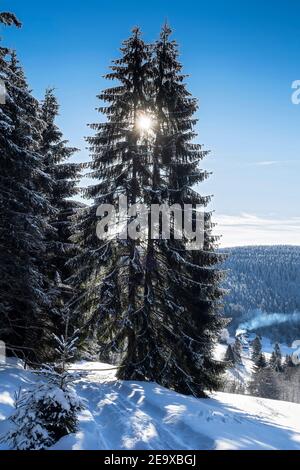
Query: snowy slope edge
pixel 140 415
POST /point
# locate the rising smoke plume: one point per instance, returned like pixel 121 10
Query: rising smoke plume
pixel 262 319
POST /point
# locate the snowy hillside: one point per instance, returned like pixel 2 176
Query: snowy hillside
pixel 139 415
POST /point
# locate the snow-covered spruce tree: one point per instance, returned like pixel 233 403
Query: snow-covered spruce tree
pixel 276 359
pixel 111 271
pixel 64 177
pixel 288 362
pixel 256 348
pixel 260 361
pixel 237 351
pixel 181 296
pixel 265 381
pixel 229 355
pixel 23 303
pixel 49 410
pixel 162 312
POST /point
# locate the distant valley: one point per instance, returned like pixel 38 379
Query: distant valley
pixel 263 284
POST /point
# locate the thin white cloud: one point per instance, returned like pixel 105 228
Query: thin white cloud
pixel 250 229
pixel 273 162
pixel 267 163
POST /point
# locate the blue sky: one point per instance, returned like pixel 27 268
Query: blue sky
pixel 242 57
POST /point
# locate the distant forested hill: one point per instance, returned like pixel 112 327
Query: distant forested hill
pixel 265 278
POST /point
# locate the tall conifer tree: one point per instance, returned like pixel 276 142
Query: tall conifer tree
pixel 183 310
pixel 276 359
pixel 64 175
pixel 153 301
pixel 111 270
pixel 256 348
pixel 23 302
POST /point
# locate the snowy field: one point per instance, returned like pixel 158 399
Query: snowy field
pixel 139 415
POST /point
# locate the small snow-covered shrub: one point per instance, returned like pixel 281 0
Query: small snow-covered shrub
pixel 49 410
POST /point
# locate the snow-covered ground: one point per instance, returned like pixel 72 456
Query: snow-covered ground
pixel 139 415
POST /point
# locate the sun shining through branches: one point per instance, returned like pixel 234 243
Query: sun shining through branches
pixel 145 122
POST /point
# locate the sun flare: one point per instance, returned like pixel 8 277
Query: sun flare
pixel 145 122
